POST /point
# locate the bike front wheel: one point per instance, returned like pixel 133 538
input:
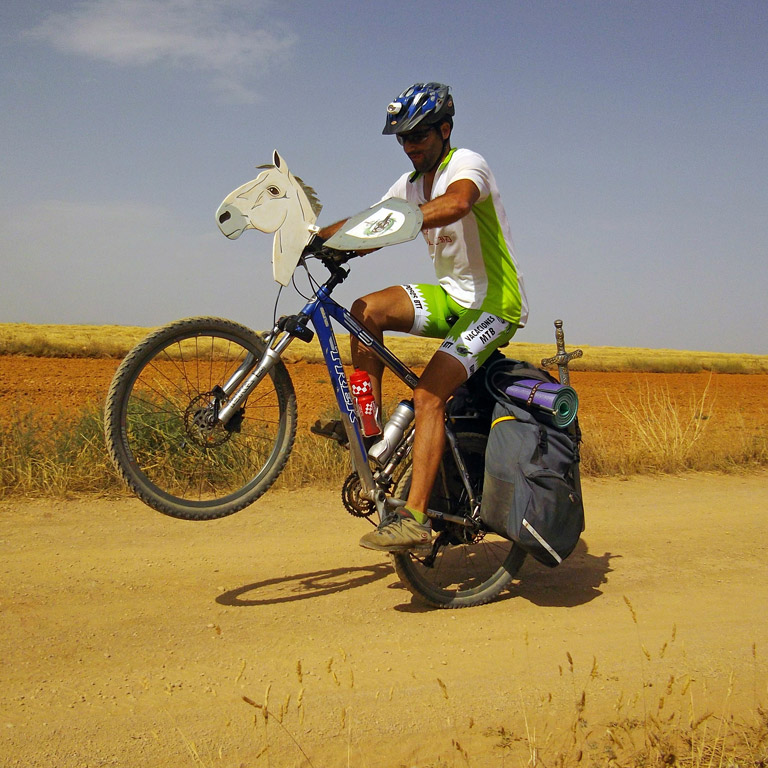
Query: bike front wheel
pixel 161 425
pixel 466 570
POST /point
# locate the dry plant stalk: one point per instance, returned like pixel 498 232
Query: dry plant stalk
pixel 668 431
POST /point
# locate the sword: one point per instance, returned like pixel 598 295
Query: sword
pixel 562 358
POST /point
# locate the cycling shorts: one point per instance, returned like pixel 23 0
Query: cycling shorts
pixel 470 335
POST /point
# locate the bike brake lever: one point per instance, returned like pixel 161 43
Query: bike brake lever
pixel 336 257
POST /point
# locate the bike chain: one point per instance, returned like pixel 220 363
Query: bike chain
pixel 354 503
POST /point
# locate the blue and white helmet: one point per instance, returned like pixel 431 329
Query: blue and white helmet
pixel 427 103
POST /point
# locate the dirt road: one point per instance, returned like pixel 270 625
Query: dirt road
pixel 129 639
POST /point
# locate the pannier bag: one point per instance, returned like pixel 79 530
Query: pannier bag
pixel 531 491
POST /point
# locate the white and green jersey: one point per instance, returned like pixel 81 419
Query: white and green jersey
pixel 473 257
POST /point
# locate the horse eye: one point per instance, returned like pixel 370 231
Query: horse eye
pixel 273 191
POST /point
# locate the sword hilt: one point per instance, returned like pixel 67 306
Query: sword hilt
pixel 562 358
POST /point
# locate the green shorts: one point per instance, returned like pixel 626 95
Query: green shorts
pixel 470 335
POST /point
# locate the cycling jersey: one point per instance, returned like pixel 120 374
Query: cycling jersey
pixel 473 257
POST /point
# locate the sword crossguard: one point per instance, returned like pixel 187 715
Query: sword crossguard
pixel 562 358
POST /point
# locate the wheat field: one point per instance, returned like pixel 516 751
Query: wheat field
pixel 114 341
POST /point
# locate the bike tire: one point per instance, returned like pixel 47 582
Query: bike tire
pixel 463 574
pixel 157 435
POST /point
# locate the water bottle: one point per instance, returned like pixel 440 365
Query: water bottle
pixel 367 409
pixel 401 417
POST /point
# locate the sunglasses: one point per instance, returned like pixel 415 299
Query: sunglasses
pixel 415 137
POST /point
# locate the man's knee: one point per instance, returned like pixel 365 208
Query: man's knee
pixel 427 399
pixel 373 306
pixel 386 310
pixel 359 308
pixel 439 381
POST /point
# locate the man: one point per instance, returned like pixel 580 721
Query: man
pixel 477 305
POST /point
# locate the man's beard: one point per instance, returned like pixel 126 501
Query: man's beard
pixel 424 163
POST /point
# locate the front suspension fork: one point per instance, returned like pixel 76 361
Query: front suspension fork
pixel 238 393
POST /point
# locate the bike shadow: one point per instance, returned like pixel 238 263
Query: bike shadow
pixel 576 581
pixel 304 586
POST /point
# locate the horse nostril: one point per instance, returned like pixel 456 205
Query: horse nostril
pixel 226 216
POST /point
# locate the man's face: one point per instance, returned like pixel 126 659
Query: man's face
pixel 424 145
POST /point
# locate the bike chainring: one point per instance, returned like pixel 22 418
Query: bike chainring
pixel 354 503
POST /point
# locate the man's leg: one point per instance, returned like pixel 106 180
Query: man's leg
pixel 386 310
pixel 467 345
pixel 440 378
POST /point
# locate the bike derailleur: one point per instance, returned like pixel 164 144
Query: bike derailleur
pixel 356 504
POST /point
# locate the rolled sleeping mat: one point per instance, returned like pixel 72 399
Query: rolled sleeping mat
pixel 557 403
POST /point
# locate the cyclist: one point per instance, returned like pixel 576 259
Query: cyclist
pixel 477 304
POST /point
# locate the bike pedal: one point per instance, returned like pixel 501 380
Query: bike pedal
pixel 332 429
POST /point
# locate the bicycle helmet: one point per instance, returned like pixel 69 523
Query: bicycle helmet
pixel 427 103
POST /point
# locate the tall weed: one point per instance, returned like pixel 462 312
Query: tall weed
pixel 58 456
pixel 653 431
pixel 667 431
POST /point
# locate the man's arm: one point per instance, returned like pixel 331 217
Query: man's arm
pixel 454 204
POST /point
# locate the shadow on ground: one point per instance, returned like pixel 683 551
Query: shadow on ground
pixel 304 586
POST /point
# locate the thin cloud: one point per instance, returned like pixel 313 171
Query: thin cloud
pixel 231 41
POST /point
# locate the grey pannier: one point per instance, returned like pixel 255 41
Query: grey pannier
pixel 531 492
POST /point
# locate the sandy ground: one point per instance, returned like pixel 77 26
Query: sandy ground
pixel 130 639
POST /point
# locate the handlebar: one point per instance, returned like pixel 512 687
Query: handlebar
pixel 330 257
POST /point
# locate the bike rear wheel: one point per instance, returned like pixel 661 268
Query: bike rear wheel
pixel 463 573
pixel 161 428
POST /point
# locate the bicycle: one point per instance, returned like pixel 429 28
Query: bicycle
pixel 200 418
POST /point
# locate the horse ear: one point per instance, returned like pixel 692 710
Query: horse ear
pixel 280 164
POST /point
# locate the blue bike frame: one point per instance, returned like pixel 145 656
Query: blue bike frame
pixel 319 312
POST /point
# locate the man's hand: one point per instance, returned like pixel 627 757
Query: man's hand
pixel 327 232
pixel 314 245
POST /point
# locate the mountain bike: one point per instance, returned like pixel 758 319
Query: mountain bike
pixel 201 416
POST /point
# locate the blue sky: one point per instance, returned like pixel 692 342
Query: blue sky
pixel 628 140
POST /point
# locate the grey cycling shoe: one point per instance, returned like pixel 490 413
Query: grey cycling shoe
pixel 398 535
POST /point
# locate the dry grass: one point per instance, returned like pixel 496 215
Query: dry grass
pixel 69 340
pixel 415 351
pixel 670 720
pixel 64 458
pixel 654 431
pixel 115 341
pixel 651 431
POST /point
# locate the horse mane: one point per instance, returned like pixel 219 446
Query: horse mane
pixel 314 202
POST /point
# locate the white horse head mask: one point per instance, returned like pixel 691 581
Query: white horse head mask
pixel 275 201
